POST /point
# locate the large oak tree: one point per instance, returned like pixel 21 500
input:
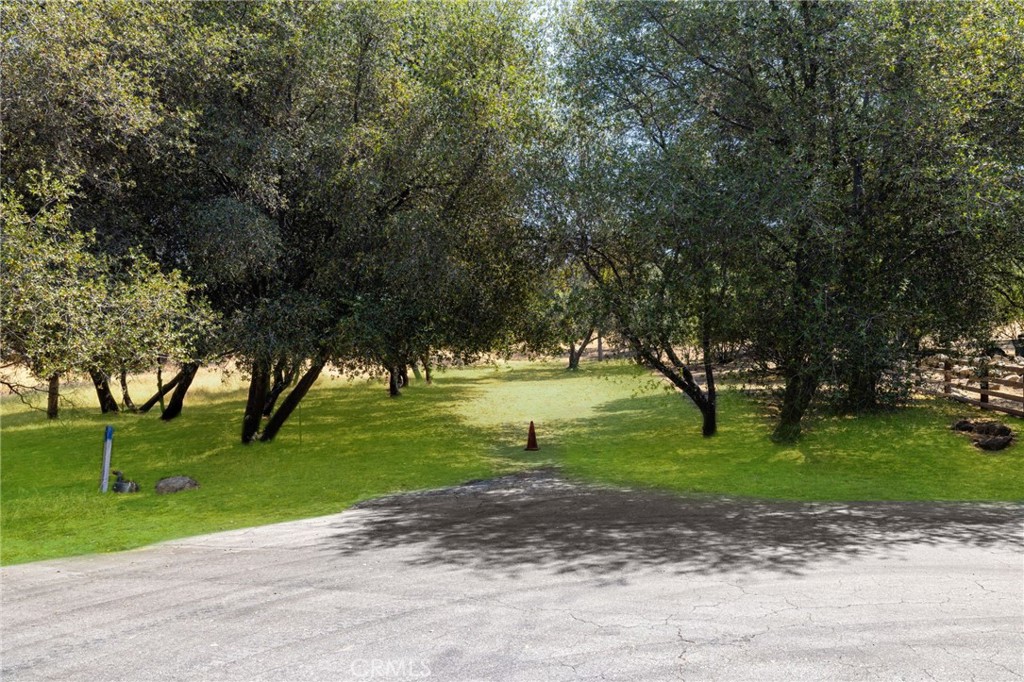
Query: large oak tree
pixel 878 200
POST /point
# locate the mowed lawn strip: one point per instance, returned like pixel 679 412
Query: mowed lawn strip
pixel 609 423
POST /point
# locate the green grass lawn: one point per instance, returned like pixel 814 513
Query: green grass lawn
pixel 609 422
pixel 618 425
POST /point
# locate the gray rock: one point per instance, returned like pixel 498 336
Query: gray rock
pixel 175 484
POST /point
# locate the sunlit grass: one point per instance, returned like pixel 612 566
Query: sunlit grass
pixel 350 441
pixel 630 430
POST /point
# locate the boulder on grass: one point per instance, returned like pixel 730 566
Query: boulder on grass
pixel 992 429
pixel 988 435
pixel 994 443
pixel 175 484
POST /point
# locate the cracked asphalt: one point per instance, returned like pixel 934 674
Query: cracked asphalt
pixel 531 577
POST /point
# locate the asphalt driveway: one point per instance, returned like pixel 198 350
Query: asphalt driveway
pixel 531 577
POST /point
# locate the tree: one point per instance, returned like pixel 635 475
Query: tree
pixel 66 309
pixel 50 285
pixel 648 213
pixel 450 261
pixel 81 89
pixel 568 315
pixel 853 136
pixel 664 264
pixel 93 93
pixel 348 193
pixel 148 318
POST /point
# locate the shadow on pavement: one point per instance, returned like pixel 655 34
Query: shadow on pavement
pixel 538 519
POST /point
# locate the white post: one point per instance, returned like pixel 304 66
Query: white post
pixel 108 444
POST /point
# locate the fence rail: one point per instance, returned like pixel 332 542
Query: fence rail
pixel 997 383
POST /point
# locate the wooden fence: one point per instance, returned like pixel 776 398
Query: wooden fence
pixel 989 383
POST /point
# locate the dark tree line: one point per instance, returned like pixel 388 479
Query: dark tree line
pixel 389 186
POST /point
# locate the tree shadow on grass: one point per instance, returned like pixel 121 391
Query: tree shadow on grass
pixel 540 520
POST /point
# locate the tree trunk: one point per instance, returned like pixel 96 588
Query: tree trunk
pixel 126 399
pixel 258 386
pixel 174 405
pixel 600 347
pixel 575 353
pixel 284 375
pixel 53 396
pixel 107 401
pixel 403 374
pixel 862 391
pixel 416 372
pixel 681 377
pixel 983 374
pixel 710 409
pixel 574 357
pixel 160 384
pixel 709 420
pixel 800 390
pixel 162 389
pixel 801 352
pixel 292 400
pixel 393 382
pixel 426 367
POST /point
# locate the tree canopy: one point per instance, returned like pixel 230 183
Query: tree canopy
pixel 848 153
pixel 831 186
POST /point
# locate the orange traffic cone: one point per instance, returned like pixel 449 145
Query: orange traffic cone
pixel 531 440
